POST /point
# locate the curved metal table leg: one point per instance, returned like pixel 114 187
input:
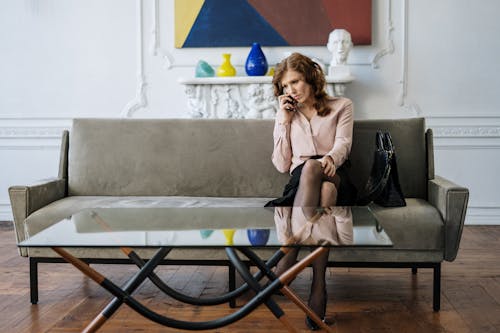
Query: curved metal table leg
pixel 195 300
pixel 126 298
pixel 254 284
pixel 111 308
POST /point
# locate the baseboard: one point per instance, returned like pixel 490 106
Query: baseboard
pixel 5 212
pixel 483 216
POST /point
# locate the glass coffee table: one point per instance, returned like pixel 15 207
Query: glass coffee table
pixel 239 231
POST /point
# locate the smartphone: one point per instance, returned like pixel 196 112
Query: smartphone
pixel 293 102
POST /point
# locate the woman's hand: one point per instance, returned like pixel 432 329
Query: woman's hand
pixel 328 165
pixel 287 107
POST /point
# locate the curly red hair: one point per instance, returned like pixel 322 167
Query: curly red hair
pixel 313 75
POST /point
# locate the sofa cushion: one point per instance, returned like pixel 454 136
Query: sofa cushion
pixel 416 231
pixel 418 226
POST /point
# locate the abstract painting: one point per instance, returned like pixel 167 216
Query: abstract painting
pixel 223 23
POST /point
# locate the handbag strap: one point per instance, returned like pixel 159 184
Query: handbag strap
pixel 388 141
pixel 379 140
pixel 388 145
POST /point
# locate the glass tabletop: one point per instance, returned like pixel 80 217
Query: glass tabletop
pixel 214 227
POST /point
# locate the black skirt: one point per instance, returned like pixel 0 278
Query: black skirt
pixel 347 192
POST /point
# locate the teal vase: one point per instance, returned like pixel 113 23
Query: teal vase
pixel 203 69
pixel 205 233
pixel 256 64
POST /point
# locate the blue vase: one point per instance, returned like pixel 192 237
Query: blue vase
pixel 258 237
pixel 256 64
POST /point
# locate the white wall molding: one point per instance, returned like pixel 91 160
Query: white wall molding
pixel 140 100
pixel 486 118
pixel 467 131
pixel 404 63
pixel 155 48
pixel 32 128
pixel 465 127
pixel 455 133
pixel 389 49
pixel 31 132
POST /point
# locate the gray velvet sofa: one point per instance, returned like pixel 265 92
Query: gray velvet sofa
pixel 188 162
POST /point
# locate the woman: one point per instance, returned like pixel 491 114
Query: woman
pixel 312 141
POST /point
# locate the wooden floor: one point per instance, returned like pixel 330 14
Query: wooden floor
pixel 360 300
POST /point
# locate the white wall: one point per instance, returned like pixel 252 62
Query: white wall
pixel 113 58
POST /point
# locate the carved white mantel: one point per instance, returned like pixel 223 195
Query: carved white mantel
pixel 240 96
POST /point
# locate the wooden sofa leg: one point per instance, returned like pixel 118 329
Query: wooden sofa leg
pixel 436 302
pixel 33 280
pixel 232 283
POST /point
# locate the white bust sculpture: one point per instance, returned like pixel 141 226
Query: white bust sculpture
pixel 339 43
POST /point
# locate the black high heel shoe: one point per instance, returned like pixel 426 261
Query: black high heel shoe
pixel 311 324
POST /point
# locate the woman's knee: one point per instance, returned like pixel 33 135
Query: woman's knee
pixel 312 169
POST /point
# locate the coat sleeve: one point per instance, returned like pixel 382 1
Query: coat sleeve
pixel 343 135
pixel 282 151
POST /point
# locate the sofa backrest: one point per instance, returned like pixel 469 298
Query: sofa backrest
pixel 192 157
pixel 214 157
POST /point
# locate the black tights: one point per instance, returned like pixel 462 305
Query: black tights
pixel 315 190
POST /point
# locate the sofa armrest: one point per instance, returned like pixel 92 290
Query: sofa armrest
pixel 29 198
pixel 451 201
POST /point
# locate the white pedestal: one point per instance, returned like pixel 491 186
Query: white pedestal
pixel 339 71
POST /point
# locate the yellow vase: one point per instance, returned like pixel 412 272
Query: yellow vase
pixel 226 69
pixel 229 234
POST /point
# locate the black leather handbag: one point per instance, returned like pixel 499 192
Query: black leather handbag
pixel 392 195
pixel 383 185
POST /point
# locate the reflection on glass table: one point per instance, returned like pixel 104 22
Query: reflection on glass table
pixel 213 227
